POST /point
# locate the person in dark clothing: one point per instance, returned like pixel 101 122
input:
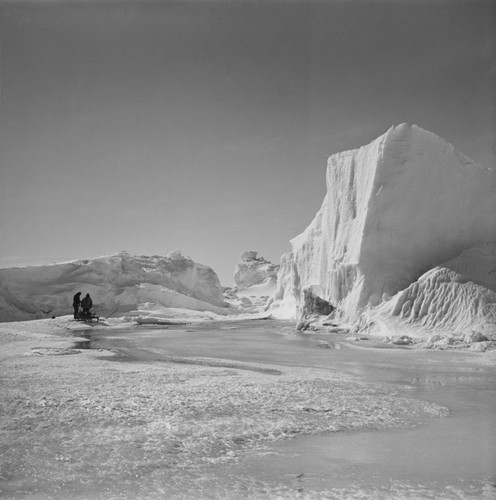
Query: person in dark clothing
pixel 86 304
pixel 76 302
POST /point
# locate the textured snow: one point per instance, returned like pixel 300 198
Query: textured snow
pixel 394 210
pixel 122 282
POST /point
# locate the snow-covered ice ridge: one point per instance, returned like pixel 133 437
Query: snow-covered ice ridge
pixel 119 281
pixel 404 205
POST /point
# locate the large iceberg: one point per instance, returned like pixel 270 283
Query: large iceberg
pixel 122 282
pixel 394 210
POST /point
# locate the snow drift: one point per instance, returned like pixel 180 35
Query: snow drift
pixel 458 297
pixel 120 281
pixel 394 210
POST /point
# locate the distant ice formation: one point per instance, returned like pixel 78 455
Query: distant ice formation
pixel 120 281
pixel 396 215
pixel 253 270
pixel 255 281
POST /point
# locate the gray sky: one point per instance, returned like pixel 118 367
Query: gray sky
pixel 205 126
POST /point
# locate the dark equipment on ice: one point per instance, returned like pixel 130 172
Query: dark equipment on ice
pixel 87 318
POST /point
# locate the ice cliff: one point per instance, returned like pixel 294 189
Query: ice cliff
pixel 121 281
pixel 394 210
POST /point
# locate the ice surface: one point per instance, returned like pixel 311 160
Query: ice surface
pixel 394 209
pixel 166 429
pixel 191 428
pixel 119 281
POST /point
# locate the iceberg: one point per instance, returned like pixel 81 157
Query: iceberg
pixel 394 210
pixel 122 282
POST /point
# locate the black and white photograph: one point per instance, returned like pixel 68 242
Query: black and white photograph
pixel 248 249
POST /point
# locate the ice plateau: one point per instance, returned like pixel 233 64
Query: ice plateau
pixel 405 218
pixel 122 282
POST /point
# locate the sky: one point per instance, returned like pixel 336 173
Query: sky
pixel 205 126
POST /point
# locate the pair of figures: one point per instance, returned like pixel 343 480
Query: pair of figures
pixel 86 304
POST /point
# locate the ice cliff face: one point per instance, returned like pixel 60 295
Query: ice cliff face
pixel 120 281
pixel 394 209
